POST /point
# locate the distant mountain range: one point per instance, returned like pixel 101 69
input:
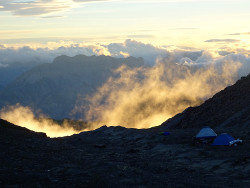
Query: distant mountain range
pixel 11 72
pixel 230 107
pixel 54 87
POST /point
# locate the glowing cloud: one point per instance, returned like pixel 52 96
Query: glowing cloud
pixel 146 97
pixel 24 117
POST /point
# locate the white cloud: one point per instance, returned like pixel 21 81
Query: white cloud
pixel 137 49
pixel 29 56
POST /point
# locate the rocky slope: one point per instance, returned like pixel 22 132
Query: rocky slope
pixel 55 87
pixel 118 157
pixel 228 108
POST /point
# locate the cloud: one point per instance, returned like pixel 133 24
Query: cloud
pixel 178 55
pixel 244 60
pixel 35 7
pixel 39 7
pixel 147 96
pixel 24 117
pixel 223 40
pixel 244 33
pixel 29 56
pixel 137 49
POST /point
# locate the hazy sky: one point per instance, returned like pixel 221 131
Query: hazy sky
pixel 193 23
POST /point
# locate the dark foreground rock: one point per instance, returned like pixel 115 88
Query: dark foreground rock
pixel 119 157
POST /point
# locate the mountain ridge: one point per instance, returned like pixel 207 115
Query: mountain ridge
pixel 55 87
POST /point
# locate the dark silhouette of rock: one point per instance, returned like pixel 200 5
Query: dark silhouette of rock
pixel 130 158
pixel 7 127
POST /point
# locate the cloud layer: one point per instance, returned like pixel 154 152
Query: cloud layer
pixel 27 55
pixel 33 56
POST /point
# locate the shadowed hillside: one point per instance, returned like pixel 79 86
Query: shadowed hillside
pixel 10 131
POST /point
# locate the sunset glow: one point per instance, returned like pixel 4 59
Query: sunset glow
pixel 191 23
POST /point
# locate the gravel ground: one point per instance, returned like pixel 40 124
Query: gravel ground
pixel 119 157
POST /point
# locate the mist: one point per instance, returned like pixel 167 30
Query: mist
pixel 147 96
pixel 25 117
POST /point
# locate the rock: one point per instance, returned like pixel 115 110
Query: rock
pixel 100 146
pixel 133 150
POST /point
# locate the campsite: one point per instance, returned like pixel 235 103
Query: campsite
pixel 207 136
pixel 129 158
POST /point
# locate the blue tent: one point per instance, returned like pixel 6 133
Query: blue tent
pixel 164 133
pixel 223 139
pixel 205 133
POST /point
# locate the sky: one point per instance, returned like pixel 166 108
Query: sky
pixel 200 24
